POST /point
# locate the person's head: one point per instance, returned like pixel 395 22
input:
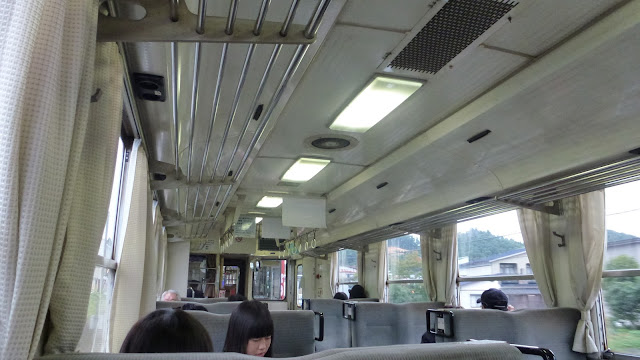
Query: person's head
pixel 340 296
pixel 237 297
pixel 357 292
pixel 167 331
pixel 494 299
pixel 191 306
pixel 250 330
pixel 170 295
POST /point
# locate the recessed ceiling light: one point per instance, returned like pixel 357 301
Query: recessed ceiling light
pixel 258 219
pixel 377 100
pixel 256 213
pixel 269 202
pixel 304 169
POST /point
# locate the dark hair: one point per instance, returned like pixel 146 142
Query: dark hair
pixel 340 296
pixel 167 331
pixel 250 320
pixel 237 297
pixel 192 306
pixel 357 292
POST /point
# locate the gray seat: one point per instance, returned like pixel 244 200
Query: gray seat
pixel 173 304
pixel 204 300
pixel 292 336
pixel 337 333
pixel 552 329
pixel 457 351
pixel 378 324
pixel 222 307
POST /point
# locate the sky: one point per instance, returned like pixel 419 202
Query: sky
pixel 622 204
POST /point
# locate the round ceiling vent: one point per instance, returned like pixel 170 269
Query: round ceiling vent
pixel 331 142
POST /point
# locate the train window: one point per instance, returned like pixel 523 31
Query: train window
pixel 492 247
pixel 95 335
pixel 270 281
pixel 348 269
pixel 621 291
pixel 299 285
pixel 404 270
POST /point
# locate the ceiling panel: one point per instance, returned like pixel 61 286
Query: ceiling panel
pixel 385 14
pixel 345 64
pixel 579 114
pixel 538 25
pixel 265 174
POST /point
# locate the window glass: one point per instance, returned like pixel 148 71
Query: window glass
pixel 95 336
pixel 493 245
pixel 299 285
pixel 348 263
pixel 270 281
pixel 405 293
pixel 108 236
pixel 620 295
pixel 404 259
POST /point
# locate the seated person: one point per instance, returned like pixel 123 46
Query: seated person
pixel 167 331
pixel 340 296
pixel 494 299
pixel 357 292
pixel 237 297
pixel 170 295
pixel 191 306
pixel 250 330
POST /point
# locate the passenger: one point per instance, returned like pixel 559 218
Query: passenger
pixel 196 307
pixel 167 331
pixel 194 292
pixel 250 330
pixel 340 296
pixel 170 295
pixel 495 299
pixel 237 297
pixel 357 292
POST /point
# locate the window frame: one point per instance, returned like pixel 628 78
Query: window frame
pixel 286 281
pixel 404 281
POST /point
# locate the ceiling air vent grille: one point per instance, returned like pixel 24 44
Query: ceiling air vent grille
pixel 451 30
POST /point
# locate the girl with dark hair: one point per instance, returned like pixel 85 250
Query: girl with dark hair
pixel 250 330
pixel 167 331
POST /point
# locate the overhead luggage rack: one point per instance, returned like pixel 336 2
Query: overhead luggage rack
pixel 195 190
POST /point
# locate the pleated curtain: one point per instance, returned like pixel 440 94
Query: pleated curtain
pixel 439 250
pixel 536 234
pixel 160 234
pixel 59 151
pixel 382 271
pixel 585 237
pixel 131 297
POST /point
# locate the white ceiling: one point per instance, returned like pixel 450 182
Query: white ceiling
pixel 570 107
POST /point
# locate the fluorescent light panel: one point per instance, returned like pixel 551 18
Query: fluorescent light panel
pixel 377 100
pixel 269 202
pixel 258 219
pixel 304 169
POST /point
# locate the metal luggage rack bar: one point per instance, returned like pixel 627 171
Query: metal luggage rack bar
pixel 171 21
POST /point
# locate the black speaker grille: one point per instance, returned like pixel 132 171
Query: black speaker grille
pixel 451 30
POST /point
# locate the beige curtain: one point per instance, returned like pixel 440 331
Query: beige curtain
pixel 536 233
pixel 161 241
pixel 382 271
pixel 439 248
pixel 334 272
pixel 130 298
pixel 585 235
pixel 55 172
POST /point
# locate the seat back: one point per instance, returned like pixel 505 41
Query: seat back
pixel 204 300
pixel 222 307
pixel 552 329
pixel 457 351
pixel 173 304
pixel 293 333
pixel 337 332
pixel 378 324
